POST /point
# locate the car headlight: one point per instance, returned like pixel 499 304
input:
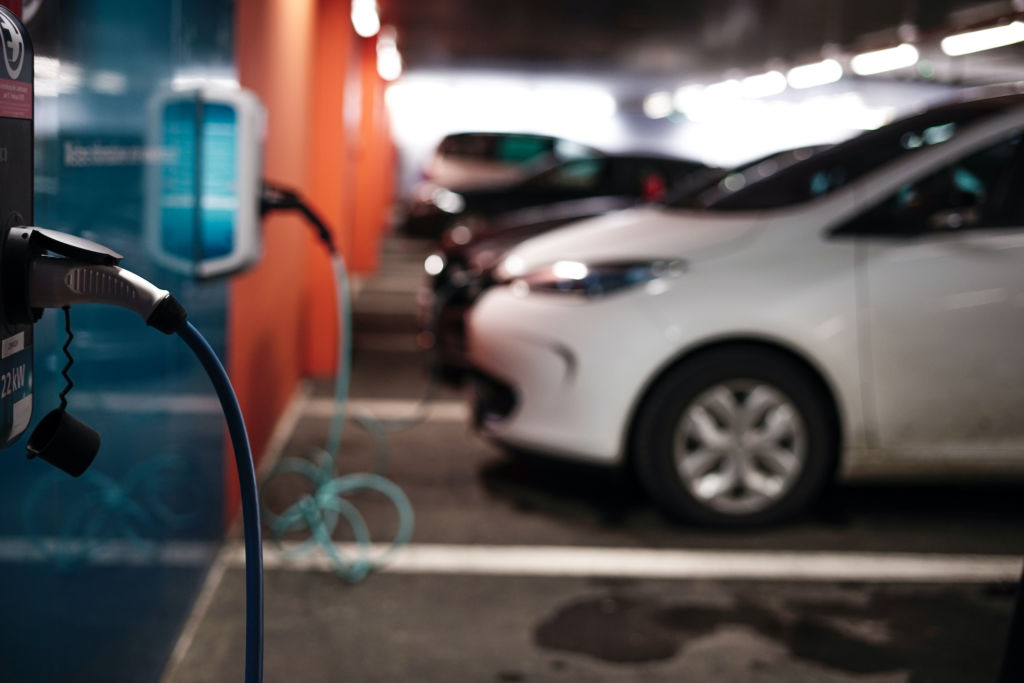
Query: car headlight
pixel 598 279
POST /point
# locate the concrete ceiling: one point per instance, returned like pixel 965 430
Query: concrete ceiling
pixel 678 39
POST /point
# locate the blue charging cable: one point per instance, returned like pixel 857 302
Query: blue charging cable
pixel 115 503
pixel 86 272
pixel 250 503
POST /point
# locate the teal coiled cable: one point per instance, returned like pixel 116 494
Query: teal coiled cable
pixel 319 513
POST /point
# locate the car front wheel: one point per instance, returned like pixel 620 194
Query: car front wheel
pixel 735 436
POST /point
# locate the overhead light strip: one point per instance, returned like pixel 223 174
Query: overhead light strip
pixel 984 39
pixel 812 75
pixel 881 61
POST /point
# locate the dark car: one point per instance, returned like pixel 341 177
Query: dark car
pixel 434 209
pixel 459 270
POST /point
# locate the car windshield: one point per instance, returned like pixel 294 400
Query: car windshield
pixel 748 189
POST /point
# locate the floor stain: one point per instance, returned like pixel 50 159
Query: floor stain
pixel 614 629
pixel 937 634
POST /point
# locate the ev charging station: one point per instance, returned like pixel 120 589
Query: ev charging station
pixel 42 268
pixel 16 173
pixel 202 201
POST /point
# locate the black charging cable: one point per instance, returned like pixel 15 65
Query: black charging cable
pixel 275 197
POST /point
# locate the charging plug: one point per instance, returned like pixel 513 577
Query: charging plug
pixel 82 271
pixel 49 269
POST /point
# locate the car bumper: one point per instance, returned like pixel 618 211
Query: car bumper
pixel 550 359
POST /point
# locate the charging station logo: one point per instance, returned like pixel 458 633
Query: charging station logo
pixel 13 47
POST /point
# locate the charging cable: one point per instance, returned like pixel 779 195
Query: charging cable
pixel 86 272
pixel 319 513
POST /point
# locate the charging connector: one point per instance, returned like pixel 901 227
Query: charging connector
pixel 82 271
pixel 55 282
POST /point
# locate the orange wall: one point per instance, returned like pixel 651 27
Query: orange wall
pixel 376 160
pixel 265 307
pixel 330 189
pixel 296 56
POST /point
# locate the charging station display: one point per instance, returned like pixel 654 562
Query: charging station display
pixel 16 168
pixel 202 213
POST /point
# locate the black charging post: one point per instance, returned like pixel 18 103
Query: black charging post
pixel 16 169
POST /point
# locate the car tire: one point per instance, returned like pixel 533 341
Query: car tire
pixel 735 436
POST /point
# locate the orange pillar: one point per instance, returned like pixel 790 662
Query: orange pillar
pixel 266 308
pixel 330 187
pixel 303 60
pixel 375 180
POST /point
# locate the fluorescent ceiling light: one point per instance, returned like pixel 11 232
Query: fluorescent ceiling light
pixel 725 89
pixel 365 19
pixel 880 61
pixel 687 96
pixel 389 64
pixel 389 60
pixel 985 39
pixel 811 75
pixel 658 105
pixel 763 85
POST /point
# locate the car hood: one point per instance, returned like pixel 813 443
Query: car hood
pixel 636 234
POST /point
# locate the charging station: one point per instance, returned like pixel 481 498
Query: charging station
pixel 42 268
pixel 202 200
pixel 16 171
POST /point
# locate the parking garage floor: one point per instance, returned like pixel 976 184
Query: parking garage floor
pixel 528 570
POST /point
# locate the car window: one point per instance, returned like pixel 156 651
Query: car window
pixel 829 170
pixel 521 149
pixel 976 191
pixel 576 174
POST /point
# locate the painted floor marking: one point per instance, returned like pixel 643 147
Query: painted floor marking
pixel 127 402
pixel 390 409
pixel 557 561
pixel 103 552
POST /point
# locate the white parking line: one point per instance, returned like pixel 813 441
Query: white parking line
pixel 390 409
pixel 135 402
pixel 646 563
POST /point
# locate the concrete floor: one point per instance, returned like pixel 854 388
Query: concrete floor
pixel 464 625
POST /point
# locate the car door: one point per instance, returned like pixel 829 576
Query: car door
pixel 941 279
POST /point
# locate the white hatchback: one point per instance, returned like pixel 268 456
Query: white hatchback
pixel 866 302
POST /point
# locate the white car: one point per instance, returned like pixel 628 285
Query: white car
pixel 866 302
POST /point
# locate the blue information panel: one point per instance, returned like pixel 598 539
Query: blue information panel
pixel 199 227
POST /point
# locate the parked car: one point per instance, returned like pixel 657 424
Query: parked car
pixel 435 208
pixel 461 268
pixel 472 160
pixel 864 303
